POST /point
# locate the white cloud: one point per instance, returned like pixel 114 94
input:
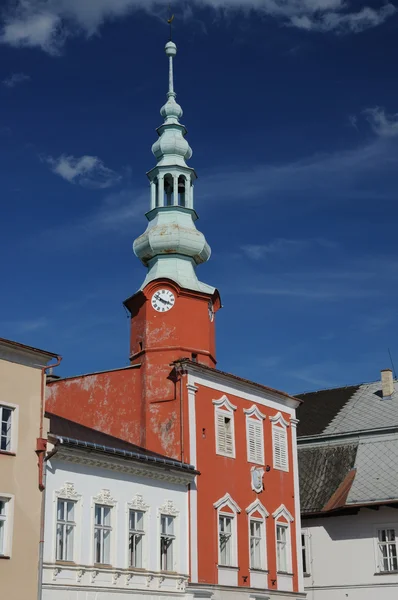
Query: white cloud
pixel 88 171
pixel 15 79
pixel 341 22
pixel 46 24
pixel 283 247
pixel 383 125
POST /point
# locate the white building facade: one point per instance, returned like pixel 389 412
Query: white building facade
pixel 114 524
pixel 352 556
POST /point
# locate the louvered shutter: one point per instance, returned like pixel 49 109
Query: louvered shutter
pixel 255 441
pixel 229 442
pixel 280 448
pixel 221 437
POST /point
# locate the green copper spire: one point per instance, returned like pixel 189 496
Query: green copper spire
pixel 172 247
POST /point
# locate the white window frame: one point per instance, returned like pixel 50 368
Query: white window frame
pixel 138 505
pixel 104 498
pixel 220 506
pixel 255 419
pixel 283 518
pixel 168 509
pixel 168 536
pixel 306 550
pixel 381 527
pixel 280 425
pixel 68 493
pixel 8 520
pixel 65 523
pixel 14 426
pixel 224 408
pixel 258 507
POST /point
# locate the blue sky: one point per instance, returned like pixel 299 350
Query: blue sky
pixel 292 114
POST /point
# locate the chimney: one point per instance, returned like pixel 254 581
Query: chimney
pixel 387 385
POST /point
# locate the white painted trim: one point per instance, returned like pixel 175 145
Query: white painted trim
pixel 258 421
pixel 278 427
pixel 282 512
pixel 14 426
pixel 9 521
pixel 278 418
pixel 68 493
pixel 225 408
pixel 254 411
pixel 224 401
pixel 376 528
pixel 227 501
pixel 193 493
pixel 289 558
pixel 257 505
pixel 297 512
pixel 237 391
pixel 234 535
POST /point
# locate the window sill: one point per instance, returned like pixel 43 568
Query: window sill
pixel 225 455
pixel 285 573
pixel 4 557
pixel 307 574
pixel 102 566
pixel 168 572
pixel 137 569
pixel 253 570
pixel 6 453
pixel 231 567
pixel 386 573
pixel 65 562
pixel 281 470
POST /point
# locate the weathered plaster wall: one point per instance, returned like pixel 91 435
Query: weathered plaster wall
pixel 109 402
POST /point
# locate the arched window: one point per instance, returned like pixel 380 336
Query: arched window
pixel 181 190
pixel 168 190
pixel 156 183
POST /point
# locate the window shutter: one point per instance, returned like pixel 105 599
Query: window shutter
pixel 229 443
pixel 280 448
pixel 255 440
pixel 221 433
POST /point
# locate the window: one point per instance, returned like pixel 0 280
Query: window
pixel 6 414
pixel 136 535
pixel 102 534
pixel 305 552
pixel 279 442
pixel 387 550
pixel 256 543
pixel 4 525
pixel 281 548
pixel 225 443
pixel 225 539
pixel 167 541
pixel 224 424
pixel 255 435
pixel 65 529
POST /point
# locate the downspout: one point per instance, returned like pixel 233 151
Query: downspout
pixel 41 446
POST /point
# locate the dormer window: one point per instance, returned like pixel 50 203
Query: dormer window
pixel 224 426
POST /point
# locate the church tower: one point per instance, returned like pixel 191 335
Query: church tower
pixel 173 312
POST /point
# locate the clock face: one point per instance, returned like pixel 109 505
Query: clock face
pixel 211 311
pixel 163 300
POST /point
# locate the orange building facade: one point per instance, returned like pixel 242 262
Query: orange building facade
pixel 244 537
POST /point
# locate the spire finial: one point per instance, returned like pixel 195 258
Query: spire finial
pixel 170 22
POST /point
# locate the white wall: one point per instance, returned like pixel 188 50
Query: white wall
pixel 88 482
pixel 343 557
